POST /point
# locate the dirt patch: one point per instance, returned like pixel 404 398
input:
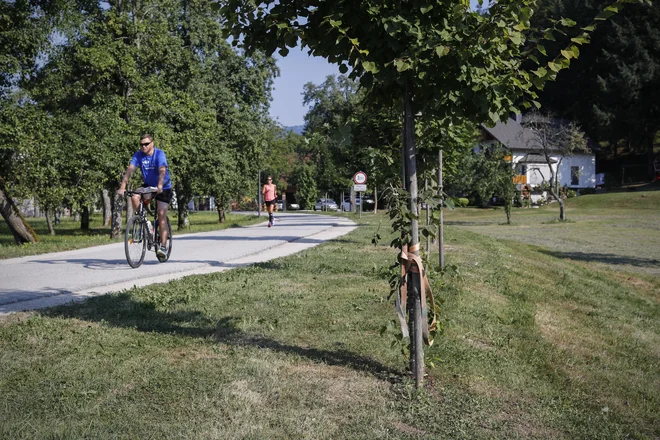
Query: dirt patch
pixel 14 318
pixel 341 385
pixel 241 389
pixel 194 354
pixel 408 430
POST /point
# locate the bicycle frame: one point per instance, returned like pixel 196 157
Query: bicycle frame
pixel 142 213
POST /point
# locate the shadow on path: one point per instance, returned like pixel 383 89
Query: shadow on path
pixel 122 310
pixel 604 258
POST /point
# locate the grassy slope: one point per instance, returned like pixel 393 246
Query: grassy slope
pixel 617 230
pixel 69 236
pixel 535 346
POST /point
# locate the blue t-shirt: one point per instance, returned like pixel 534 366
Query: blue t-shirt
pixel 150 165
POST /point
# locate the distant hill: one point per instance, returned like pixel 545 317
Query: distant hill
pixel 298 129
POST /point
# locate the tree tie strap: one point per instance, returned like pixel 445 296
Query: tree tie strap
pixel 413 263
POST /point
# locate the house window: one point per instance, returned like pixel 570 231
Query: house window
pixel 575 176
pixel 523 169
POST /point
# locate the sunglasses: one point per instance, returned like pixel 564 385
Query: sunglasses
pixel 144 144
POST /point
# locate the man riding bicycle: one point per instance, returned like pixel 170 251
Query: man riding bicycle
pixel 153 164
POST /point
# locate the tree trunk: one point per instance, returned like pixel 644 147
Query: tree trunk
pixel 84 219
pixel 117 208
pixel 375 200
pixel 183 221
pixel 562 211
pixel 221 214
pixel 441 231
pixel 49 220
pixel 417 348
pixel 19 228
pixel 107 207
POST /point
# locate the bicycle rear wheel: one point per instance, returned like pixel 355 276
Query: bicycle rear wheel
pixel 168 241
pixel 135 241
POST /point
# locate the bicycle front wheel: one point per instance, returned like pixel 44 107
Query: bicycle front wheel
pixel 168 240
pixel 135 241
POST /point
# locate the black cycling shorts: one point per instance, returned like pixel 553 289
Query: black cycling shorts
pixel 165 196
pixel 270 202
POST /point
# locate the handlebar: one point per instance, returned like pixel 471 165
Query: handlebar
pixel 141 191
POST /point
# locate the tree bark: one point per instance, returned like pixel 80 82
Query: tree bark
pixel 441 231
pixel 49 220
pixel 183 221
pixel 107 207
pixel 84 219
pixel 19 228
pixel 417 348
pixel 221 214
pixel 117 208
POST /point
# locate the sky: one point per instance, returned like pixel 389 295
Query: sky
pixel 296 69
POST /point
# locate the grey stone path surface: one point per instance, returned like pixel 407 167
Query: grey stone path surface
pixel 47 280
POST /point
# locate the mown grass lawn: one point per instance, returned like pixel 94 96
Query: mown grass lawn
pixel 617 230
pixel 534 346
pixel 68 234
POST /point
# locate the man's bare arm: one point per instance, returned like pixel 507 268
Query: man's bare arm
pixel 161 178
pixel 125 179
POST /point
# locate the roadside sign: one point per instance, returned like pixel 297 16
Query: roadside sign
pixel 360 178
pixel 359 188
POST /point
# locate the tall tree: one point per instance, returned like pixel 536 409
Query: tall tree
pixel 435 57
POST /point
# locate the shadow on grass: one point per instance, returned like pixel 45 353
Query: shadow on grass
pixel 604 258
pixel 123 310
pixel 471 223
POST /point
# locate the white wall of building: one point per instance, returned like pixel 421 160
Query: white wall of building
pixel 586 164
pixel 539 172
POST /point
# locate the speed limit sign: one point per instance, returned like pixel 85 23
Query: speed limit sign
pixel 360 177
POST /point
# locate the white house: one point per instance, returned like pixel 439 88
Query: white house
pixel 576 171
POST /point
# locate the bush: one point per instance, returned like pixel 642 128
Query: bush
pixel 462 202
pixel 568 193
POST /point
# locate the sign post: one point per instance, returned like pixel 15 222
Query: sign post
pixel 360 180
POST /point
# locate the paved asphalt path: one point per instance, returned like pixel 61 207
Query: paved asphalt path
pixel 50 279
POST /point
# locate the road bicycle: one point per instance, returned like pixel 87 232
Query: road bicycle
pixel 141 233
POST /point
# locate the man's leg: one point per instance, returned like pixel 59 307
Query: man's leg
pixel 162 221
pixel 136 202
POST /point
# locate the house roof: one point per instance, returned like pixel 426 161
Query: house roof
pixel 513 135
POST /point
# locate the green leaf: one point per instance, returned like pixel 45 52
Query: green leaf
pixel 426 9
pixel 567 54
pixel 575 50
pixel 284 51
pixel 441 51
pixel 540 72
pixel 579 40
pixel 555 67
pixel 402 65
pixel 370 66
pixel 567 22
pixel 541 49
pixel 604 15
